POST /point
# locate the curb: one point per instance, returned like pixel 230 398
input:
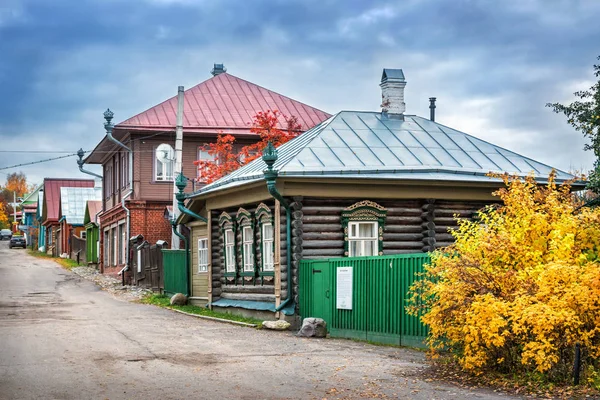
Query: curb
pixel 215 318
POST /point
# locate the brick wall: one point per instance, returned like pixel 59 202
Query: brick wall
pixel 147 219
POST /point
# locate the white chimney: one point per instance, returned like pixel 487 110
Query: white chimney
pixel 392 92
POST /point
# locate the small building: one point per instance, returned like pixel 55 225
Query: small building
pixel 358 184
pixel 92 210
pixel 29 225
pixel 49 217
pixel 71 209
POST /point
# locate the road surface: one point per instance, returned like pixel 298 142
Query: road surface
pixel 61 337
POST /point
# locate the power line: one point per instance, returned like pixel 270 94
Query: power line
pixel 38 162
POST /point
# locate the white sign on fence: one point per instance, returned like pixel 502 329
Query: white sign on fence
pixel 344 288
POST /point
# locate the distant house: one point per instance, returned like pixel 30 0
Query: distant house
pixel 92 229
pixel 71 209
pixel 358 184
pixel 49 216
pixel 29 224
pixel 222 104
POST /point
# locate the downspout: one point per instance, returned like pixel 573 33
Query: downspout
pixel 108 116
pixel 269 157
pixel 80 153
pixel 181 183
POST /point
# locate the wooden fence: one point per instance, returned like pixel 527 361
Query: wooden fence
pixel 147 266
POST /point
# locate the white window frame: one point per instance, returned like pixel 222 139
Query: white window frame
pixel 164 166
pixel 267 248
pixel 229 250
pixel 205 156
pixel 83 235
pixel 247 248
pixel 202 255
pixel 362 240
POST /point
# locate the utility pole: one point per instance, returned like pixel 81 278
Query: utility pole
pixel 178 160
pixel 15 212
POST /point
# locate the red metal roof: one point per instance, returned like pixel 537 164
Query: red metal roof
pixel 223 102
pixel 93 208
pixel 52 195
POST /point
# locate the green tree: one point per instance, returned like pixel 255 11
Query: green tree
pixel 584 116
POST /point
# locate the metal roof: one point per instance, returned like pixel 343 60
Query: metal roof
pixel 221 102
pixel 371 145
pixel 392 74
pixel 92 209
pixel 32 198
pixel 73 202
pixel 51 196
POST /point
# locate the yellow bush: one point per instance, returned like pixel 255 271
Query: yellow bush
pixel 520 286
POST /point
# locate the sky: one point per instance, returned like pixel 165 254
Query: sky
pixel 493 65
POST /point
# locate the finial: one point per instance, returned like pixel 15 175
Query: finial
pixel 181 183
pixel 108 115
pixel 80 154
pixel 269 155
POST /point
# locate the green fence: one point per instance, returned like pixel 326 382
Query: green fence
pixel 379 290
pixel 175 274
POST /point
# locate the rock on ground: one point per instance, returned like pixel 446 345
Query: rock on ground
pixel 279 325
pixel 313 327
pixel 179 299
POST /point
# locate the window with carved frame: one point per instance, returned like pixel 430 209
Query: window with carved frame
pixel 264 219
pixel 363 224
pixel 246 226
pixel 227 227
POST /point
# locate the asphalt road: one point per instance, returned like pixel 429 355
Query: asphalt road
pixel 61 337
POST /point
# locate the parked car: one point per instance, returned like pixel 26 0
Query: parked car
pixel 5 234
pixel 17 241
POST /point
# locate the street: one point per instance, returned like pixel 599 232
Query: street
pixel 61 337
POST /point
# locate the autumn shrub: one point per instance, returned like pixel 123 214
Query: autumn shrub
pixel 520 287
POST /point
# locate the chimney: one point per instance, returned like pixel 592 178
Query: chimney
pixel 392 93
pixel 218 69
pixel 432 109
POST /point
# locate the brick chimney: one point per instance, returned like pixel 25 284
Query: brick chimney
pixel 392 92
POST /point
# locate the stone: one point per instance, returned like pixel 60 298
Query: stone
pixel 179 299
pixel 279 325
pixel 313 327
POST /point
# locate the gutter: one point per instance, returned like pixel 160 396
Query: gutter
pixel 269 157
pixel 80 153
pixel 108 116
pixel 181 183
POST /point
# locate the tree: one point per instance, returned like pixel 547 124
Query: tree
pixel 584 116
pixel 226 159
pixel 520 287
pixel 16 184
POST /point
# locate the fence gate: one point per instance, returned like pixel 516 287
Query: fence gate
pixel 365 301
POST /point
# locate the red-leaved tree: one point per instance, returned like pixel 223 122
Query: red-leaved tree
pixel 226 160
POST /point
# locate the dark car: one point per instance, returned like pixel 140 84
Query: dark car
pixel 17 241
pixel 5 234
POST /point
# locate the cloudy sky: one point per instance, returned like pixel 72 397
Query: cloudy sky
pixel 491 64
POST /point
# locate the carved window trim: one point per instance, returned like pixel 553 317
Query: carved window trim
pixel 226 224
pixel 365 210
pixel 245 223
pixel 264 217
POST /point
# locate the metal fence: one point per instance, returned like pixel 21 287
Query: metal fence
pixel 367 301
pixel 176 279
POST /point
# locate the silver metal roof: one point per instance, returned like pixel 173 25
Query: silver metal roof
pixel 371 145
pixel 73 201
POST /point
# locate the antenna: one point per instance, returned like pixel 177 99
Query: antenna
pixel 165 153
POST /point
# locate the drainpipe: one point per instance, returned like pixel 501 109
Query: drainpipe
pixel 108 116
pixel 181 183
pixel 80 153
pixel 269 157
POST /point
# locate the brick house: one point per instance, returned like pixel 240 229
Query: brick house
pixel 221 104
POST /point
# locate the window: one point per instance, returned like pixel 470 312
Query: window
pixel 117 173
pixel 202 255
pixel 363 229
pixel 267 247
pixel 83 234
pixel 106 248
pixel 163 170
pixel 120 246
pixel 124 170
pixel 229 251
pixel 113 246
pixel 204 155
pixel 248 244
pixel 362 238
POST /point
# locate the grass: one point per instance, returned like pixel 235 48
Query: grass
pixel 66 263
pixel 161 300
